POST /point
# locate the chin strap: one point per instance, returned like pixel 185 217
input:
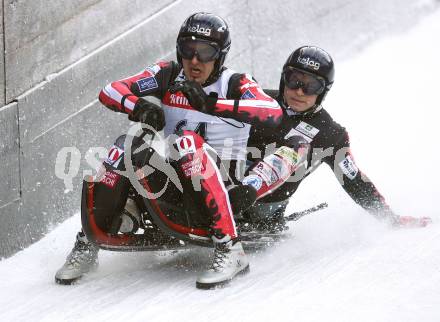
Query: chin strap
pixel 314 109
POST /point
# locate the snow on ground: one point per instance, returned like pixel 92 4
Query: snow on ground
pixel 342 265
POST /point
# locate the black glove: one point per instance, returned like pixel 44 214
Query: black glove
pixel 196 96
pixel 299 145
pixel 148 113
pixel 296 142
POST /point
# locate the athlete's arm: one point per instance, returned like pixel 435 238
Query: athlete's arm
pixel 363 191
pixel 122 95
pixel 249 103
pixel 354 182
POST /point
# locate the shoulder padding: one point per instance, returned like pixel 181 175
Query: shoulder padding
pixel 169 74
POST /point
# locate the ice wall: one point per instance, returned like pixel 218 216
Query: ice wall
pixel 58 54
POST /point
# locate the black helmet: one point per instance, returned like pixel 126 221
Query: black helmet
pixel 312 60
pixel 210 27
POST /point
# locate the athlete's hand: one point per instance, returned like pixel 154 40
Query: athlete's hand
pixel 196 96
pixel 411 222
pixel 148 113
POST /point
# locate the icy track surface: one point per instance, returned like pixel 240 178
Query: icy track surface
pixel 341 265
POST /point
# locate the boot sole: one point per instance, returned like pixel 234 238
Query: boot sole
pixel 70 281
pixel 210 286
pixel 66 281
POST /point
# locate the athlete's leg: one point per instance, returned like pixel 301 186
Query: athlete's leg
pixel 199 167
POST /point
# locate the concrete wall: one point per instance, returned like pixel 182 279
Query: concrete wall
pixel 2 60
pixel 59 54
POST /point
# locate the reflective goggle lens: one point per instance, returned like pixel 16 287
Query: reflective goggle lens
pixel 204 50
pixel 310 85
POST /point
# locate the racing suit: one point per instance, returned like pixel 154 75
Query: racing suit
pixel 201 139
pixel 328 143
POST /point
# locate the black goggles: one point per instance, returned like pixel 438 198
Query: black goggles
pixel 310 84
pixel 204 50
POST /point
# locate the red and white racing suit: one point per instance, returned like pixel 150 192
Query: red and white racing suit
pixel 241 103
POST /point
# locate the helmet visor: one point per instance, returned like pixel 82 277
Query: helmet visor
pixel 310 84
pixel 204 50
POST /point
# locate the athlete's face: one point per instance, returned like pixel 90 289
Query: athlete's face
pixel 301 89
pixel 196 70
pixel 297 100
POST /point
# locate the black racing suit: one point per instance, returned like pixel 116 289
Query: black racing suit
pixel 330 144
